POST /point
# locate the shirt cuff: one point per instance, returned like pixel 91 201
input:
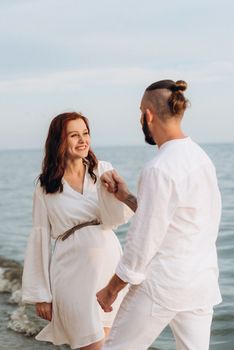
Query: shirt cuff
pixel 29 300
pixel 129 276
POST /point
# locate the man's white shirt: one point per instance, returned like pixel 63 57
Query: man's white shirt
pixel 170 250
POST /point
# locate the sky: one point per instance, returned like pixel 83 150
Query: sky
pixel 97 57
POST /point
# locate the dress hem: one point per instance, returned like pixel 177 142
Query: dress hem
pixel 77 346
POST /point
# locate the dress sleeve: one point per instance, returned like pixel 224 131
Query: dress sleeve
pixel 36 279
pixel 157 201
pixel 113 212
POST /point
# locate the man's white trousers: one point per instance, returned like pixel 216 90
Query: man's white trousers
pixel 140 321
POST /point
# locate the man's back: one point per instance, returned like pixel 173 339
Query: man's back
pixel 170 257
pixel 183 274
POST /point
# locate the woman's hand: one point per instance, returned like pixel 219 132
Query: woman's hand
pixel 44 310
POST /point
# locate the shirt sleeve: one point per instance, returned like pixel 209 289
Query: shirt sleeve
pixel 36 279
pixel 157 200
pixel 113 212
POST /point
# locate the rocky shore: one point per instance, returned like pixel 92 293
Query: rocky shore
pixel 22 318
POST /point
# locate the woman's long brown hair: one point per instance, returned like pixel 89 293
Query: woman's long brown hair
pixel 54 163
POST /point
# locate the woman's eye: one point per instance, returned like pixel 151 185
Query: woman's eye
pixel 74 135
pixel 85 133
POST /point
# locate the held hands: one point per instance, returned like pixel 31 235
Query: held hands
pixel 44 310
pixel 115 184
pixel 105 299
pixel 107 295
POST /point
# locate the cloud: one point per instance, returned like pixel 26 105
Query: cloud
pixel 99 56
pixel 52 36
pixel 80 78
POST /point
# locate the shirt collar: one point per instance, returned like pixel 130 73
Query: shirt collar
pixel 182 140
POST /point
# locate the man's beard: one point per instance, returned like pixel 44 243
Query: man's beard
pixel 148 138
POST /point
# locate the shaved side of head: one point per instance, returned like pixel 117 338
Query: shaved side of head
pixel 157 102
pixel 166 99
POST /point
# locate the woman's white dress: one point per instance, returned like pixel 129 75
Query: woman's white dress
pixel 79 266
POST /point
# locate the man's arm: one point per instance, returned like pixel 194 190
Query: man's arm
pixel 115 184
pixel 131 202
pixel 157 202
pixel 107 295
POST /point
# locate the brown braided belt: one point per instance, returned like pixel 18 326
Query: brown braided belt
pixel 69 232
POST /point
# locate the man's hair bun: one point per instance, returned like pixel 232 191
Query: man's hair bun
pixel 180 85
pixel 176 102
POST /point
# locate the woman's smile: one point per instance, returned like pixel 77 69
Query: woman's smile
pixel 81 148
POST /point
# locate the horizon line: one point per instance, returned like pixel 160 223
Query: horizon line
pixel 114 146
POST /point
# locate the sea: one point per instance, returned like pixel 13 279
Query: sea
pixel 18 172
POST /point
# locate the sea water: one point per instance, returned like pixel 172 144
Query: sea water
pixel 18 172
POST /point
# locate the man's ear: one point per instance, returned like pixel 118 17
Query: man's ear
pixel 149 116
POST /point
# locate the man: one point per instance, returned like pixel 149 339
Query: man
pixel 170 258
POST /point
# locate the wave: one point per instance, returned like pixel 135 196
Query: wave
pixel 23 318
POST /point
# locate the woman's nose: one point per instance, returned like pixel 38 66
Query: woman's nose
pixel 81 139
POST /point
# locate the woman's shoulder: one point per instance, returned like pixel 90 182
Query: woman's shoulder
pixel 39 190
pixel 104 166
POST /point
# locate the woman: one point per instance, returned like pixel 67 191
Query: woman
pixel 71 207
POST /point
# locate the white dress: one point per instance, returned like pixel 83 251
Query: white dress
pixel 79 266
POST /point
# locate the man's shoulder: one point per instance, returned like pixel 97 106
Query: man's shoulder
pixel 154 168
pixel 177 161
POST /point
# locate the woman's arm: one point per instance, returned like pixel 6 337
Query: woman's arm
pixel 36 280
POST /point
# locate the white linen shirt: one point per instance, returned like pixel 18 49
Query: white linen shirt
pixel 170 249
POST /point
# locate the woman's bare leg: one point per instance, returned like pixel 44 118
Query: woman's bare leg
pixel 107 331
pixel 99 344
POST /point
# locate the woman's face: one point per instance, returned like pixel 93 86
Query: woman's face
pixel 78 139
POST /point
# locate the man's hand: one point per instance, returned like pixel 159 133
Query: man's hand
pixel 106 299
pixel 44 310
pixel 107 295
pixel 115 184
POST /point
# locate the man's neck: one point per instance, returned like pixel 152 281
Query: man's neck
pixel 167 138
